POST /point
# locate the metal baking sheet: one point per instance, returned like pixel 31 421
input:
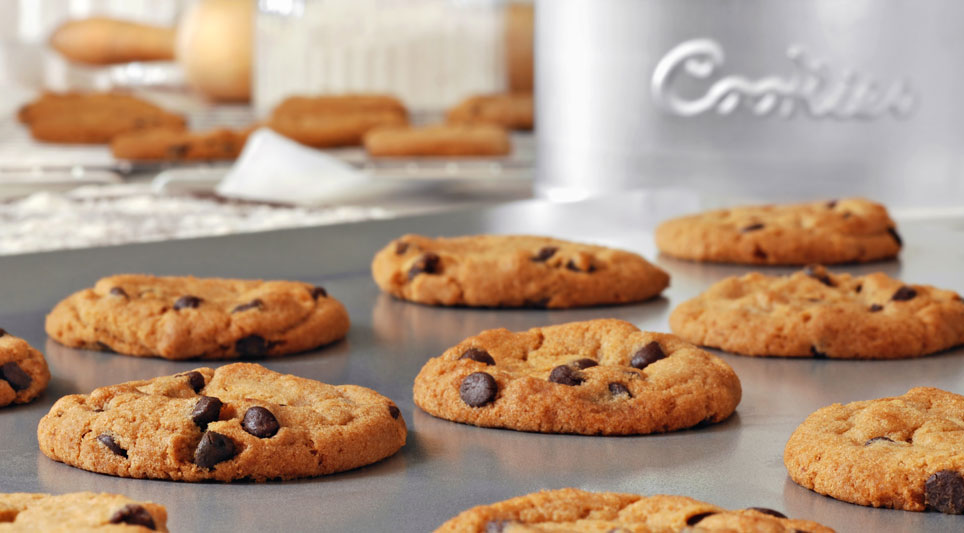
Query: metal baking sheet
pixel 447 467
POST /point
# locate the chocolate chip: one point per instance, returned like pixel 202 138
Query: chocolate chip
pixel 858 288
pixel 584 363
pixel 478 389
pixel 877 439
pixel 751 227
pixel 112 445
pixel 770 512
pixel 831 204
pixel 259 422
pixel 647 355
pixel 213 449
pixel 544 254
pixel 575 268
pixel 251 346
pixel 478 354
pixel 817 353
pixel 818 273
pixel 401 247
pixel 565 375
pixel 103 346
pixel 695 519
pixel 759 253
pixel 392 410
pixel 195 379
pixel 427 263
pixel 15 376
pixel 117 291
pixel 187 302
pixel 903 294
pixel 253 304
pixel 318 291
pixel 496 526
pixel 944 492
pixel 133 514
pixel 206 410
pixel 2 332
pixel 896 236
pixel 618 388
pixel 876 307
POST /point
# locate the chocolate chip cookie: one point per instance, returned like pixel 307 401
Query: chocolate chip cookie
pixel 514 111
pixel 241 421
pixel 445 140
pixel 79 511
pixel 207 318
pixel 905 452
pixel 332 121
pixel 814 313
pixel 23 370
pixel 599 377
pixel 579 510
pixel 513 271
pixel 838 231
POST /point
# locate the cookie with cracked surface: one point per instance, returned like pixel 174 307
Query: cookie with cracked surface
pixel 335 120
pixel 852 230
pixel 23 370
pixel 241 421
pixel 513 271
pixel 514 111
pixel 207 318
pixel 905 452
pixel 579 510
pixel 599 377
pixel 79 512
pixel 160 144
pixel 813 313
pixel 445 140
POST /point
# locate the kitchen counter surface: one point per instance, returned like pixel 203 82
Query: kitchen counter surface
pixel 447 467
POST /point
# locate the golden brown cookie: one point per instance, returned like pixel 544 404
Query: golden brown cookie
pixel 92 117
pixel 572 510
pixel 23 370
pixel 161 144
pixel 104 41
pixel 207 318
pixel 839 231
pixel 241 421
pixel 79 512
pixel 513 271
pixel 599 377
pixel 513 111
pixel 814 313
pixel 438 141
pixel 905 452
pixel 332 121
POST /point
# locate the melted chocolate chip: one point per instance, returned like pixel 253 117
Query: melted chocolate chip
pixel 817 353
pixel 759 253
pixel 195 379
pixel 401 247
pixel 695 519
pixel 206 410
pixel 251 346
pixel 117 291
pixel 253 304
pixel 903 294
pixel 618 388
pixel 818 273
pixel 575 268
pixel 752 227
pixel 944 492
pixel 544 254
pixel 831 204
pixel 392 410
pixel 858 288
pixel 427 263
pixel 478 389
pixel 584 363
pixel 260 422
pixel 111 445
pixel 214 448
pixel 565 375
pixel 15 376
pixel 478 354
pixel 877 439
pixel 647 355
pixel 770 512
pixel 896 236
pixel 133 514
pixel 187 302
pixel 875 308
pixel 317 292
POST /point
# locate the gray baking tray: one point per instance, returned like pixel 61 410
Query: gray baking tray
pixel 447 467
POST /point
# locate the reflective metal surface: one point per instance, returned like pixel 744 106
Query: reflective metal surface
pixel 447 467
